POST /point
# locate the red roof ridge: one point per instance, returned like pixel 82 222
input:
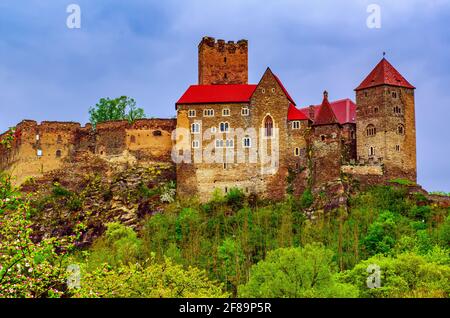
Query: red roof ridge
pixel 384 74
pixel 284 89
pixel 296 114
pixel 223 93
pixel 325 115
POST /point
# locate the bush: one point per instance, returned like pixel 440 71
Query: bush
pixel 235 198
pixel 306 199
pixel 60 191
pixel 296 272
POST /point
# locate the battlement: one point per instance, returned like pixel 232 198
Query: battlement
pixel 221 62
pixel 221 44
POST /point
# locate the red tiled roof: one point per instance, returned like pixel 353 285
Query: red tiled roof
pixel 344 109
pixel 295 114
pixel 284 90
pixel 384 74
pixel 325 114
pixel 229 93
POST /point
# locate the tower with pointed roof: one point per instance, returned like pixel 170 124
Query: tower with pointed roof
pixel 385 123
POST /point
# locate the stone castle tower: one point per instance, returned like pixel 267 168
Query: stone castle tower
pixel 385 123
pixel 221 62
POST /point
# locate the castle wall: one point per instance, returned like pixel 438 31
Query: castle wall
pixel 222 63
pixel 40 148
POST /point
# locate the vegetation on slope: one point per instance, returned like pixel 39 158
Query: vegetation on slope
pixel 235 245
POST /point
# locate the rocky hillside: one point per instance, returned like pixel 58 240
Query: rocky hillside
pixel 89 192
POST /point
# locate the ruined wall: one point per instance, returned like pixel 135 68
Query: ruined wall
pixel 222 63
pixel 40 148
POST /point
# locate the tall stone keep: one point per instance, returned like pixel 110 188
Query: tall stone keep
pixel 221 62
pixel 386 131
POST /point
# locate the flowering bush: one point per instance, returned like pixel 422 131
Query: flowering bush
pixel 27 268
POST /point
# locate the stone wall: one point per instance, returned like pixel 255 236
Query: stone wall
pixel 390 110
pixel 40 148
pixel 222 63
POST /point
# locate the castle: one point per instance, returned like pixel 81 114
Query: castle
pixel 229 133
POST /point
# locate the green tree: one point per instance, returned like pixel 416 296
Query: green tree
pixel 152 280
pixel 380 237
pixel 296 272
pixel 405 275
pixel 115 109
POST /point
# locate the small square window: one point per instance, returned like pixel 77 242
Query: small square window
pixel 39 152
pixel 245 111
pixel 195 144
pixel 208 112
pixel 226 112
pixel 192 113
pixel 296 124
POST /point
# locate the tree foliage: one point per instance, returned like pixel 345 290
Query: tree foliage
pixel 115 109
pixel 296 273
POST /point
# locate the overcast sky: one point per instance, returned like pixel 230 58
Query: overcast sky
pixel 148 50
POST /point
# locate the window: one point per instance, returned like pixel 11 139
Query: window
pixel 133 139
pixel 208 112
pixel 224 59
pixel 195 144
pixel 195 128
pixel 371 151
pixel 226 112
pixel 247 142
pixel 245 111
pixel 365 94
pixel 59 139
pixel 229 143
pixel 268 126
pixel 226 188
pixel 39 153
pixel 224 127
pixel 37 137
pixel 375 110
pixel 273 90
pixel 219 143
pixel 157 133
pixel 58 153
pixel 296 124
pixel 397 147
pixel 322 137
pixel 371 130
pixel 192 113
pixel 397 110
pixel 213 129
pixel 400 129
pixel 297 151
pixel 394 94
pixel 263 90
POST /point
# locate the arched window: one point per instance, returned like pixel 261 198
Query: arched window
pixel 58 153
pixel 371 151
pixel 247 142
pixel 371 130
pixel 400 129
pixel 268 126
pixel 195 128
pixel 397 110
pixel 224 127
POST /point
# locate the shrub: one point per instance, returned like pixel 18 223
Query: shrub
pixel 235 198
pixel 60 191
pixel 306 199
